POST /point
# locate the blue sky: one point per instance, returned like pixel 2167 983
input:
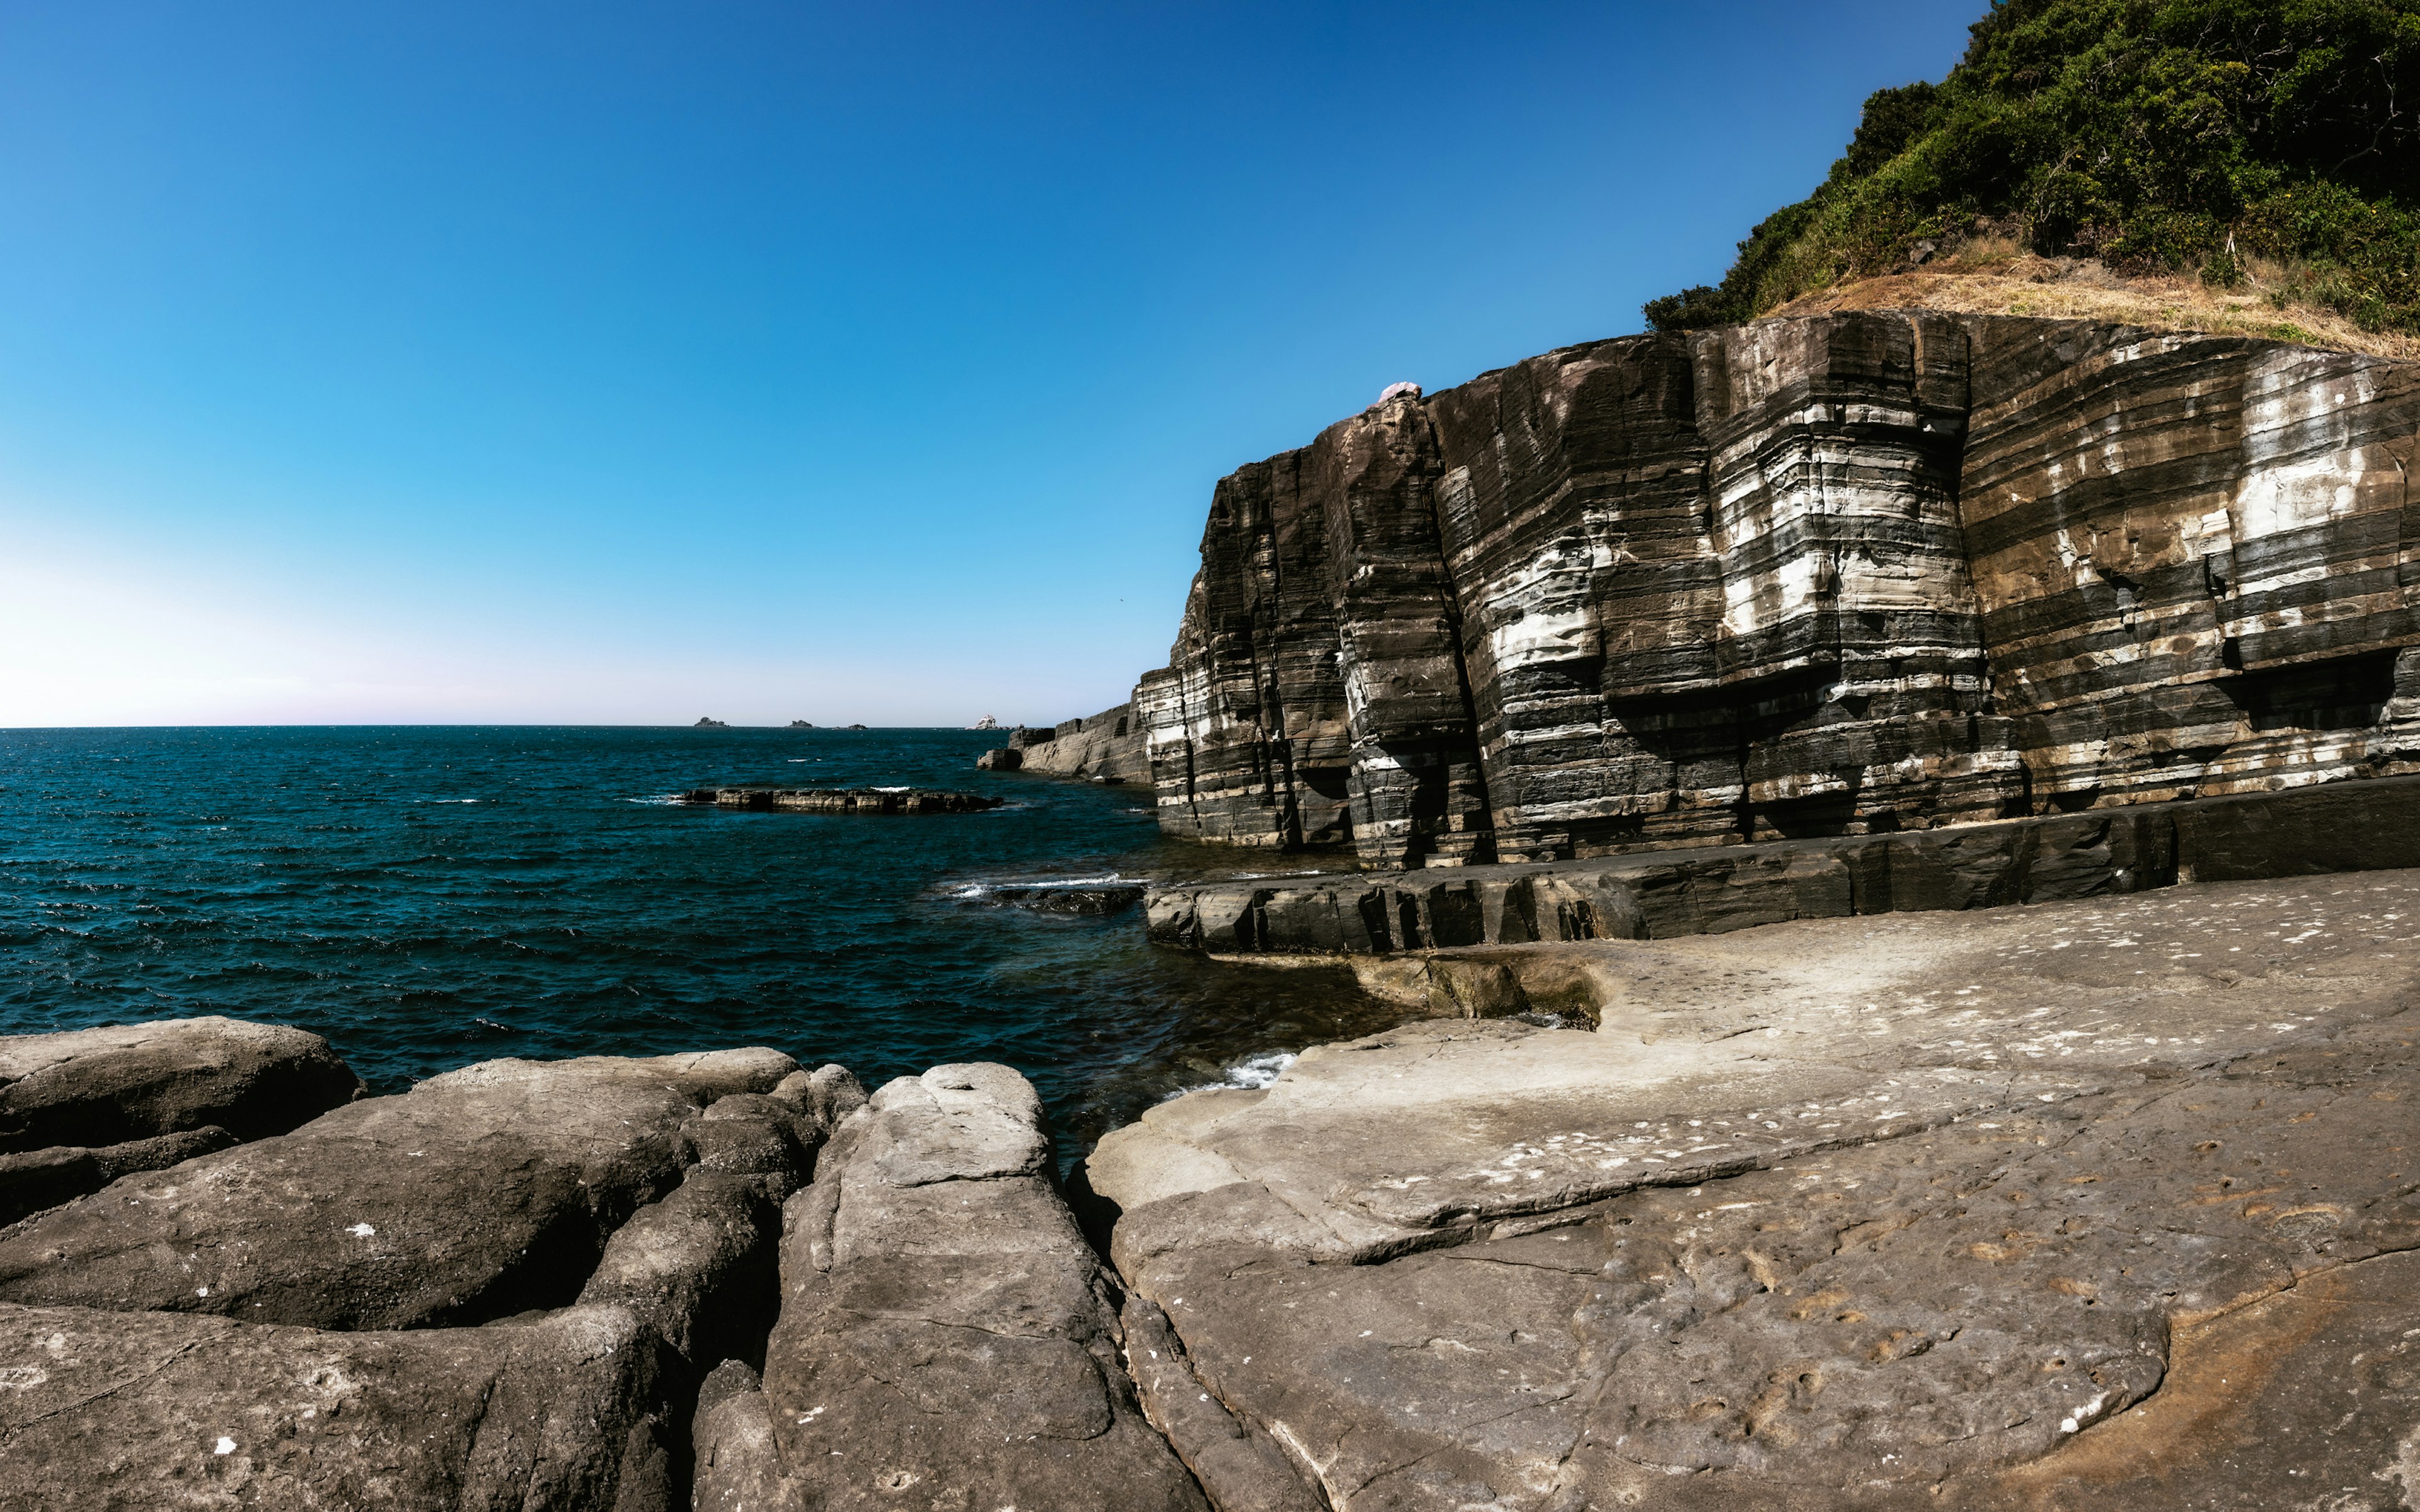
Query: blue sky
pixel 620 363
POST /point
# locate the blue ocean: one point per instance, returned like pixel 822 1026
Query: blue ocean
pixel 428 896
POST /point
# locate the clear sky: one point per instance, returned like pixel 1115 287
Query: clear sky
pixel 620 363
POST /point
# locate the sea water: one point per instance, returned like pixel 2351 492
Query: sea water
pixel 426 896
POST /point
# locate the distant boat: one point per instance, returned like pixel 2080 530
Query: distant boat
pixel 800 724
pixel 709 724
pixel 987 722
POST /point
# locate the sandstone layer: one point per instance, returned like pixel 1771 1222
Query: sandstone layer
pixel 1848 573
pixel 2107 1199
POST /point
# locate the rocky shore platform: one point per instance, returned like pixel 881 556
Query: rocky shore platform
pixel 2346 825
pixel 2110 1198
pixel 2108 1201
pixel 766 799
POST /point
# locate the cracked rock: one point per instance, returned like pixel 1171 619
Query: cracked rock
pixel 480 1194
pixel 2019 1208
pixel 945 1331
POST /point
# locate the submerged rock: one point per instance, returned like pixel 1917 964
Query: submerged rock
pixel 1095 898
pixel 945 1331
pixel 843 800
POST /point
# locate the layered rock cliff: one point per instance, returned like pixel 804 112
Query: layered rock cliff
pixel 1848 573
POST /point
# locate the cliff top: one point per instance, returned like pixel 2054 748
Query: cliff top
pixel 1997 276
pixel 2265 153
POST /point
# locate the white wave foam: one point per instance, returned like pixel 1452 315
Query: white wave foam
pixel 1252 1073
pixel 984 889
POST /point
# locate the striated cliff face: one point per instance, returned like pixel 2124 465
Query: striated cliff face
pixel 1848 573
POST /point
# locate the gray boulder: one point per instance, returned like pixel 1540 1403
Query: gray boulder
pixel 945 1331
pixel 42 1179
pixel 142 1404
pixel 102 1087
pixel 134 1411
pixel 477 1195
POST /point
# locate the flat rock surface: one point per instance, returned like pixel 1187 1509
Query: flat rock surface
pixel 100 1086
pixel 1909 1211
pixel 143 1411
pixel 947 1339
pixel 476 1194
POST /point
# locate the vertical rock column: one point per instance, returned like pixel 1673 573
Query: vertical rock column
pixel 1849 644
pixel 1572 518
pixel 1246 731
pixel 1418 798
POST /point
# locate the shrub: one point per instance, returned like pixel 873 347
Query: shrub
pixel 2158 134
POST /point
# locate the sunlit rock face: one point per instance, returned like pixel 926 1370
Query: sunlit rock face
pixel 2194 558
pixel 1843 575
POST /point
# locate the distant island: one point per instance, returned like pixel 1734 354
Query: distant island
pixel 710 724
pixel 800 724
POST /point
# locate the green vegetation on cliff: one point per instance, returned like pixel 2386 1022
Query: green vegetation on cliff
pixel 2227 136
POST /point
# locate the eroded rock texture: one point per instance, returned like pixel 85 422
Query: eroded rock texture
pixel 947 1338
pixel 2109 1200
pixel 1107 747
pixel 500 1288
pixel 1838 575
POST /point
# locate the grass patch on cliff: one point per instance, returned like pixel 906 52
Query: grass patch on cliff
pixel 2268 151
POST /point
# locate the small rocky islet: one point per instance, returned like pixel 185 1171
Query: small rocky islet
pixel 1891 835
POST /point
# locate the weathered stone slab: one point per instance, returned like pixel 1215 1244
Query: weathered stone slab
pixel 585 1407
pixel 945 1335
pixel 2012 1209
pixel 479 1193
pixel 132 1412
pixel 1106 748
pixel 42 1179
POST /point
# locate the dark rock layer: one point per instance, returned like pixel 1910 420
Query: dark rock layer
pixel 2345 826
pixel 1850 574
